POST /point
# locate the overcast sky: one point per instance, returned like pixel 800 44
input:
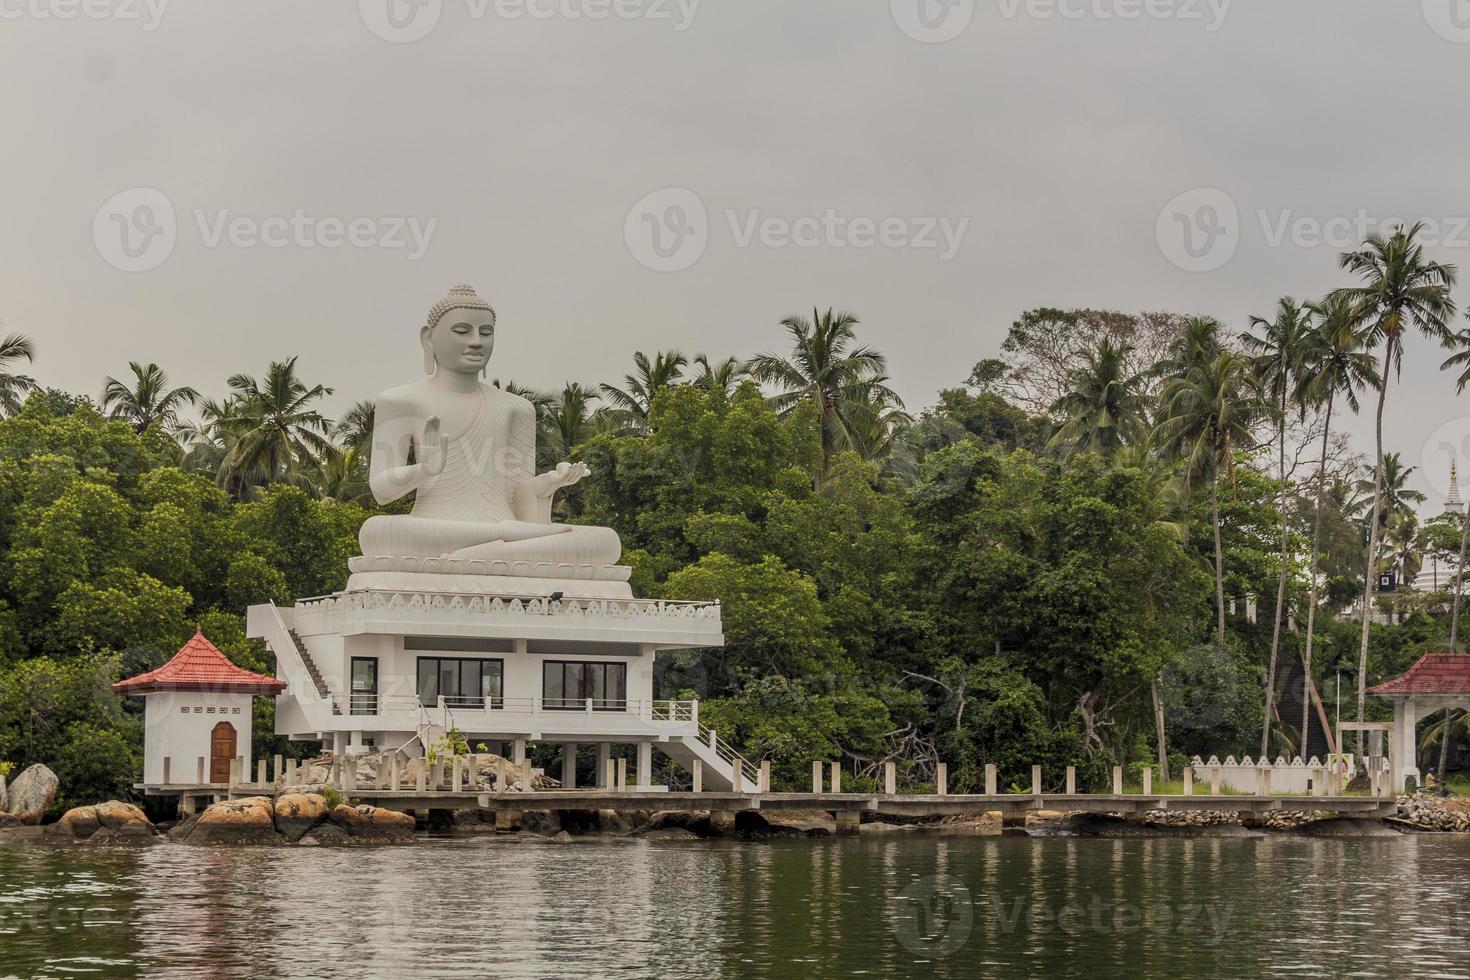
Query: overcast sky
pixel 963 161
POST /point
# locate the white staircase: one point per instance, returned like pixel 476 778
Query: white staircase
pixel 293 663
pixel 722 767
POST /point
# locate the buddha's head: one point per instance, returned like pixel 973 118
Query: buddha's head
pixel 459 333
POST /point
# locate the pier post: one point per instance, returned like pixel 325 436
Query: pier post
pixel 234 772
pixel 698 776
pixel 276 761
pixel 167 766
pixel 349 773
pixel 765 776
pixel 456 776
pixel 1214 780
pixel 847 822
pixel 1117 780
pixel 507 819
pixel 1319 782
pixel 609 776
pixel 816 777
pixel 1148 781
pixel 836 777
pixel 1035 780
pixel 569 765
pixel 421 778
pixel 1071 780
pixel 890 779
pixel 501 774
pixel 990 779
pixel 604 757
pixel 1266 780
pixel 199 776
pixel 622 774
pixel 260 771
pixel 518 751
pixel 289 776
pixel 395 773
pixel 1189 780
pixel 645 765
pixel 941 779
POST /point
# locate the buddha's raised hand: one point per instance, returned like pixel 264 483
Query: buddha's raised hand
pixel 565 475
pixel 434 447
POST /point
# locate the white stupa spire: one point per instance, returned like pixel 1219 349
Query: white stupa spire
pixel 1452 503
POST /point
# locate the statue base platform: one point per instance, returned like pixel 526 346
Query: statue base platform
pixel 488 577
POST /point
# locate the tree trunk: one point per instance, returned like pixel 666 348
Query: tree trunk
pixel 1370 575
pixel 1159 731
pixel 1219 559
pixel 1312 573
pixel 1444 750
pixel 1280 586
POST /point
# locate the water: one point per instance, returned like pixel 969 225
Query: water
pixel 904 906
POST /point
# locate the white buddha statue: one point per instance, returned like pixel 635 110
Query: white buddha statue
pixel 474 451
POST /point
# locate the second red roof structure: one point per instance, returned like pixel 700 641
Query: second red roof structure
pixel 1433 673
pixel 200 666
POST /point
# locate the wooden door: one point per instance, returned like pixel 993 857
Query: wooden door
pixel 221 752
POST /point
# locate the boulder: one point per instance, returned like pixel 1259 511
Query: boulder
pixel 810 823
pixel 32 793
pixel 544 822
pixel 968 825
pixel 326 835
pixel 8 820
pixel 78 823
pixel 297 813
pixel 879 827
pixel 561 838
pixel 122 816
pixel 373 824
pixel 247 821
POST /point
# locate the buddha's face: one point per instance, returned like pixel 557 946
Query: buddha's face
pixel 462 340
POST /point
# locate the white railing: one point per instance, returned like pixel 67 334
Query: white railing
pixel 416 601
pixel 739 765
pixel 673 712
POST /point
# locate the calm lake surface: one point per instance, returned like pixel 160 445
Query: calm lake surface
pixel 904 906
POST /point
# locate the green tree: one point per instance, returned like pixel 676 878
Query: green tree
pixel 273 427
pixel 1105 408
pixel 13 387
pixel 630 403
pixel 148 400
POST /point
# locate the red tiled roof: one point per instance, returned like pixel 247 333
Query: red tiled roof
pixel 1433 673
pixel 199 666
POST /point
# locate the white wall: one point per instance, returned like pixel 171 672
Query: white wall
pixel 179 724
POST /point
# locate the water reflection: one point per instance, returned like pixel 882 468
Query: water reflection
pixel 898 906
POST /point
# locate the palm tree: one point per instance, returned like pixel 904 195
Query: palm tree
pixel 1209 413
pixel 1334 364
pixel 570 421
pixel 632 402
pixel 1196 344
pixel 723 376
pixel 341 476
pixel 1399 289
pixel 876 425
pixel 354 430
pixel 826 371
pixel 149 401
pixel 272 427
pixel 14 387
pixel 1105 408
pixel 1276 359
pixel 1395 498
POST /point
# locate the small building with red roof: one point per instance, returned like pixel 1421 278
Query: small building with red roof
pixel 197 712
pixel 1435 682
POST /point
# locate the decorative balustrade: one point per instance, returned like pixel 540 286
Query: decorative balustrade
pixel 665 711
pixel 1294 777
pixel 497 605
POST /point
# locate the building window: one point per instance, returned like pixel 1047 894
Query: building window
pixel 569 684
pixel 461 682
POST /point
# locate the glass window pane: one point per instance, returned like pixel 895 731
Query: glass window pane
pixel 618 681
pixel 449 678
pixel 428 680
pixel 551 681
pixel 469 678
pixel 598 674
pixel 490 674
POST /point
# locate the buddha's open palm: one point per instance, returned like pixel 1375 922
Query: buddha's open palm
pixel 565 475
pixel 433 447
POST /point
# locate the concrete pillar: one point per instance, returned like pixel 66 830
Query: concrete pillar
pixel 604 756
pixel 890 779
pixel 436 776
pixel 569 765
pixel 260 771
pixel 1035 780
pixel 941 779
pixel 1214 780
pixel 235 772
pixel 836 777
pixel 610 776
pixel 456 777
pixel 622 774
pixel 816 777
pixel 847 822
pixel 1117 780
pixel 518 751
pixel 1148 781
pixel 645 764
pixel 721 822
pixel 507 819
pixel 502 774
pixel 1071 780
pixel 199 776
pixel 349 772
pixel 765 786
pixel 1319 782
pixel 395 773
pixel 421 778
pixel 698 776
pixel 990 779
pixel 1189 780
pixel 168 765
